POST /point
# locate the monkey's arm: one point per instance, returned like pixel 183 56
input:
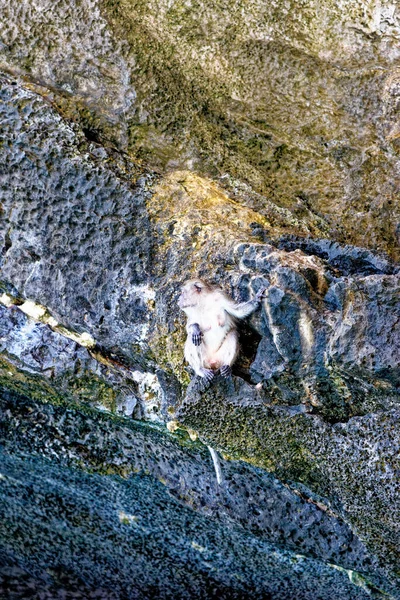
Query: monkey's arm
pixel 195 331
pixel 245 308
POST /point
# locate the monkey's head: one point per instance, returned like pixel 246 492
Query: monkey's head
pixel 192 292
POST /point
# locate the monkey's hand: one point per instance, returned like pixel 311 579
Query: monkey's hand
pixel 260 294
pixel 196 334
pixel 225 371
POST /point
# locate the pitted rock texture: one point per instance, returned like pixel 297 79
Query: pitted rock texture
pixel 79 519
pixel 68 223
pixel 354 464
pixel 67 48
pixel 76 238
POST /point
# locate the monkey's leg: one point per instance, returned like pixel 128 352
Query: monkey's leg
pixel 193 355
pixel 227 353
pixel 207 374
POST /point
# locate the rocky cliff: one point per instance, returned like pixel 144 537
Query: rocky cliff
pixel 255 146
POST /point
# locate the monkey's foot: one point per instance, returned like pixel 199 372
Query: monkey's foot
pixel 207 374
pixel 225 371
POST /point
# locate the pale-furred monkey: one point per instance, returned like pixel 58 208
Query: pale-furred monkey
pixel 212 342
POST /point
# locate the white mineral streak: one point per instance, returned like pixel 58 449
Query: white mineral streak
pixel 6 300
pixel 217 464
pixel 151 393
pixel 84 339
pixel 51 321
pixel 40 313
pixel 149 388
pixel 31 309
pixel 306 333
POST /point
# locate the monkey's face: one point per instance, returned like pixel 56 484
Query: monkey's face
pixel 191 294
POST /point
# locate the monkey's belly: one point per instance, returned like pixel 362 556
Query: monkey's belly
pixel 212 362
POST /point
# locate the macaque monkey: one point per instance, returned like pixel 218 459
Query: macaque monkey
pixel 212 342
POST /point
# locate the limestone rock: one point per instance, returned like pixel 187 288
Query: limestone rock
pixel 255 145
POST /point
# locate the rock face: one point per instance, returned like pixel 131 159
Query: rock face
pixel 300 102
pixel 142 145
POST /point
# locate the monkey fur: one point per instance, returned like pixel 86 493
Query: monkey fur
pixel 212 341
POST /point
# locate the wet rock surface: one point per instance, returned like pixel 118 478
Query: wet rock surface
pixel 180 553
pixel 353 464
pixel 111 116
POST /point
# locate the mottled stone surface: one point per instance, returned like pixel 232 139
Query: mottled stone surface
pixel 76 237
pixel 354 464
pixel 67 223
pixel 41 363
pixel 69 51
pixel 80 520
